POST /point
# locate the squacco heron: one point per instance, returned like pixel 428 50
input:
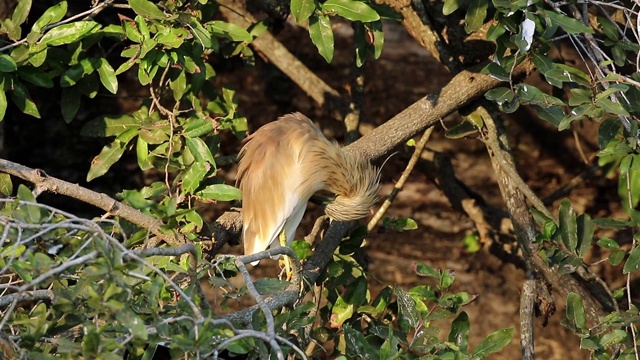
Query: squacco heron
pixel 285 162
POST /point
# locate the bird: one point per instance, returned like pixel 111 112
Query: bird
pixel 282 165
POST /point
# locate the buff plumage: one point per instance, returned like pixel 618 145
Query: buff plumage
pixel 282 165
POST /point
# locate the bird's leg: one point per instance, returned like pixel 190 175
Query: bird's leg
pixel 285 261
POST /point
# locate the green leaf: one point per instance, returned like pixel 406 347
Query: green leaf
pixel 494 70
pixel 109 126
pixel 268 286
pixel 611 107
pixel 585 234
pixel 407 307
pixel 35 76
pixel 619 55
pixel 203 35
pixel 357 292
pixel 352 10
pixel 172 38
pixel 6 186
pixel 608 243
pixel 575 311
pixel 110 154
pixel 70 103
pixel 614 88
pixel 570 25
pixel 147 9
pixel 302 9
pixel 607 131
pixel 200 150
pixel 137 200
pixel 340 312
pixel 461 130
pixel 179 86
pixel 197 127
pixel 552 114
pixel 220 192
pixel 3 104
pixel 633 261
pixel 616 257
pixel 500 94
pixel 423 269
pixel 568 225
pixel 375 28
pixel 107 76
pixel 450 6
pixel 68 33
pixel 302 249
pixel 7 64
pixel 322 35
pixel 142 154
pixel 612 338
pixel 475 15
pixel 459 333
pixel 607 223
pixel 137 327
pixel 50 16
pixel 73 74
pixel 22 99
pixel 232 31
pixel 494 342
pixel 530 94
pixel 33 214
pixel 193 176
pixel 21 12
pixel 608 28
pixel 357 345
pixel 400 225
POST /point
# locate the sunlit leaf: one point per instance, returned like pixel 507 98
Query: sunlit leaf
pixel 475 15
pixel 3 104
pixel 322 35
pixel 147 9
pixel 450 6
pixel 68 33
pixel 633 261
pixel 21 12
pixel 110 154
pixel 220 192
pixel 407 307
pixel 494 342
pixel 6 185
pixel 107 76
pixel 22 99
pixel 352 10
pixel 233 31
pixel 50 16
pixel 302 9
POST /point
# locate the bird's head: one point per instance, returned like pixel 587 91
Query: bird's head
pixel 356 192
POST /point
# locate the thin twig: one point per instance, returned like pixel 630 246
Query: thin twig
pixel 403 178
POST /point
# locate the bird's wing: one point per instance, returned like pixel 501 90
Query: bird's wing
pixel 270 175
